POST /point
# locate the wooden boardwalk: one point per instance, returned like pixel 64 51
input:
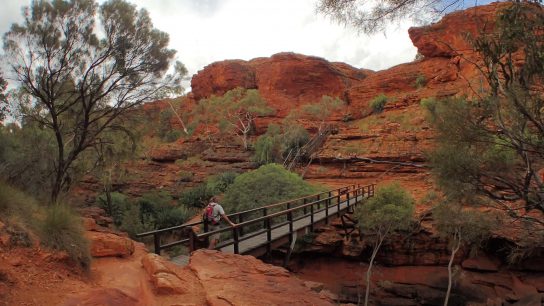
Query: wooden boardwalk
pixel 260 241
pixel 257 245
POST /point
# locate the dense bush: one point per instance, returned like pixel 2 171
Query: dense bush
pixel 378 103
pixel 199 195
pixel 428 103
pixel 115 206
pixel 267 185
pixel 275 145
pixel 63 230
pixel 420 81
pixel 25 158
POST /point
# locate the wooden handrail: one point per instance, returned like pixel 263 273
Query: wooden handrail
pixel 168 229
pixel 266 219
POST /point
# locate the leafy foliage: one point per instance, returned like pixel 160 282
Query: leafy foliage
pixel 3 99
pixel 389 210
pixel 62 230
pixel 269 184
pixel 467 225
pixel 420 81
pixel 153 210
pixel 77 84
pixel 26 158
pixel 234 112
pixel 115 206
pixel 378 103
pixel 371 17
pixel 199 195
pixel 275 144
pixel 461 226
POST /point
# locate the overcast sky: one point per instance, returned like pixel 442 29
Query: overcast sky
pixel 205 31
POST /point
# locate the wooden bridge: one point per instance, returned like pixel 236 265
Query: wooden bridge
pixel 262 229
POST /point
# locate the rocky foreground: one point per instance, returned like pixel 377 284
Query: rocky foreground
pixel 123 272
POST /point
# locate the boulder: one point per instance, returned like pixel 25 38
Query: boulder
pixel 153 264
pixel 109 244
pixel 231 279
pixel 168 283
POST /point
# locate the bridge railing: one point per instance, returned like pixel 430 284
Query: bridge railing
pixel 263 219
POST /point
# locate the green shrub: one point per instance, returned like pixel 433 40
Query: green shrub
pixel 172 136
pixel 186 176
pixel 115 207
pixel 219 183
pixel 16 204
pixel 267 185
pixel 132 223
pixel 295 137
pixel 199 195
pixel 429 104
pixel 421 81
pixel 264 150
pixel 63 230
pixel 378 103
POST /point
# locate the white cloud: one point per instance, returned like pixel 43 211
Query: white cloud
pixel 204 31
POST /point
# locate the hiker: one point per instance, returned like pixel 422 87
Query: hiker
pixel 213 213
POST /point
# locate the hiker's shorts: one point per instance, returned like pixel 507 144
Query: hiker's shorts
pixel 212 227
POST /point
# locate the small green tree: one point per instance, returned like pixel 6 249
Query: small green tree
pixel 319 112
pixel 390 210
pixel 269 184
pixel 461 226
pixel 378 103
pixel 234 112
pixel 115 204
pixel 420 81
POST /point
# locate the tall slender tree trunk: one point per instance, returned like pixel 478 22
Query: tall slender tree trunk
pixel 369 271
pixel 457 238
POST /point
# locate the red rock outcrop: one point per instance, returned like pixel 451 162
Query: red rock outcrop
pixel 448 37
pixel 284 80
pixel 220 77
pixel 245 280
pixel 109 244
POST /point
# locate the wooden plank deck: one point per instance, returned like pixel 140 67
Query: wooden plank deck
pixel 259 241
pixel 257 245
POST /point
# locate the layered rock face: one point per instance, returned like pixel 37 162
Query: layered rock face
pixel 285 80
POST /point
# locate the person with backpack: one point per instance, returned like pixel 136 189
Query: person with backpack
pixel 213 214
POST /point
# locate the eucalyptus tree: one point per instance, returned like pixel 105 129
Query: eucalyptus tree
pixel 492 148
pixel 374 16
pixel 389 211
pixel 462 227
pixel 82 67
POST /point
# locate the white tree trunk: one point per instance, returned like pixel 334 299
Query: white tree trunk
pixel 369 271
pixel 457 241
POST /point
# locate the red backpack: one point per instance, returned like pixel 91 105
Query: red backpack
pixel 208 214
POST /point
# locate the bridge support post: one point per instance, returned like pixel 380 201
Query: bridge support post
pixel 311 217
pixel 338 204
pixel 240 220
pixel 157 243
pixel 192 241
pixel 268 237
pixel 327 209
pixel 265 213
pixel 235 238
